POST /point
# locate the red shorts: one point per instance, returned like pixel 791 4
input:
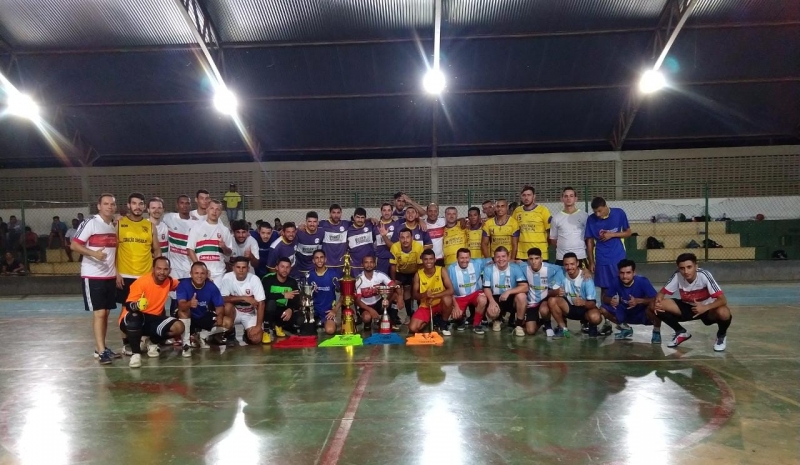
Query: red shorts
pixel 424 313
pixel 467 300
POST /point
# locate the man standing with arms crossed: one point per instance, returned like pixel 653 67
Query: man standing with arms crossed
pixel 606 231
pixel 96 240
pixel 209 242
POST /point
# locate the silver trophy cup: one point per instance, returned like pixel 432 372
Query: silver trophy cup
pixel 307 290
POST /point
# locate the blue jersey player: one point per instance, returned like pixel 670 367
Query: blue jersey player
pixel 630 300
pixel 325 304
pixel 605 234
pixel 200 305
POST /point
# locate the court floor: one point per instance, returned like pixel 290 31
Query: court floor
pixel 491 399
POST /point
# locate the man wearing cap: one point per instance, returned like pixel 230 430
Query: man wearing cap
pixel 232 200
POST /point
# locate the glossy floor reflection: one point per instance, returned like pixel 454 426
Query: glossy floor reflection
pixel 490 399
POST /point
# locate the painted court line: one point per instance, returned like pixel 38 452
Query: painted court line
pixel 124 366
pixel 332 450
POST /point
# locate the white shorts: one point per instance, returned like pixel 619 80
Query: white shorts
pixel 247 320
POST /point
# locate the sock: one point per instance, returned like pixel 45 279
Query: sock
pixel 547 324
pixel 187 327
pixel 657 330
pixel 671 320
pixel 477 318
pixel 723 327
pixel 409 310
pixel 519 322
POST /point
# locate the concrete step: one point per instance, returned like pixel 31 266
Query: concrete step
pixel 677 229
pixel 726 253
pixel 73 268
pixel 679 242
pixel 59 256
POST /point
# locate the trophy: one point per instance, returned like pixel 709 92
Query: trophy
pixel 385 292
pixel 347 286
pixel 307 291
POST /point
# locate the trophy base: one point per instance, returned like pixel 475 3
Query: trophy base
pixel 308 329
pixel 425 339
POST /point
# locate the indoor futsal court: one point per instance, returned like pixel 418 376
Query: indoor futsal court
pixel 400 232
pixel 475 400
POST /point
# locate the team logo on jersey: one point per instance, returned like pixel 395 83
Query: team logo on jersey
pixel 144 228
pixel 247 291
pixel 391 228
pixel 341 228
pixel 416 236
pixel 366 229
pixel 219 235
pixel 163 236
pixel 316 240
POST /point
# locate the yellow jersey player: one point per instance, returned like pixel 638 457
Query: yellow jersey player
pixel 474 232
pixel 500 231
pixel 534 224
pixel 434 290
pixel 137 245
pixel 455 235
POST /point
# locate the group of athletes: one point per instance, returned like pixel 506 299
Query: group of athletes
pixel 478 271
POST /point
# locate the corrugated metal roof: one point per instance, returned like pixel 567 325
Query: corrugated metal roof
pixel 745 11
pixel 309 20
pixel 92 23
pixel 519 16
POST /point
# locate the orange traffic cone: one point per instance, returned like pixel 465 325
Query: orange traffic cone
pixel 386 327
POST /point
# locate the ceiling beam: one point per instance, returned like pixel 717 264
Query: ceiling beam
pixel 670 23
pixel 370 41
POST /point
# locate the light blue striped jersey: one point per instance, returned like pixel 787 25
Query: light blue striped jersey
pixel 466 281
pixel 539 282
pixel 578 287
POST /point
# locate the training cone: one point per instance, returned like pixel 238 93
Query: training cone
pixel 425 339
pixel 386 327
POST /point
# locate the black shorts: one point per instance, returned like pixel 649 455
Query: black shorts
pixel 378 307
pixel 122 294
pixel 688 315
pixel 507 306
pixel 532 314
pixel 155 326
pixel 575 312
pixel 205 322
pixel 583 263
pixel 440 262
pixel 99 294
pixel 404 279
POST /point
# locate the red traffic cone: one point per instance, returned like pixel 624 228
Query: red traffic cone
pixel 386 327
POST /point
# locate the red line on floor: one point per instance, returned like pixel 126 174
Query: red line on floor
pixel 334 447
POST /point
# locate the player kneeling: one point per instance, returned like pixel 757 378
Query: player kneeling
pixel 326 306
pixel 542 278
pixel 243 295
pixel 465 275
pixel 433 289
pixel 201 309
pixel 576 299
pixel 143 312
pixel 506 291
pixel 630 300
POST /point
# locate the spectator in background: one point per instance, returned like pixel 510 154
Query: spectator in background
pixel 233 200
pixel 71 232
pixel 3 233
pixel 14 232
pixel 80 218
pixel 11 266
pixel 58 230
pixel 31 243
pixel 277 225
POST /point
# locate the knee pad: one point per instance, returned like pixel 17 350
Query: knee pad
pixel 134 321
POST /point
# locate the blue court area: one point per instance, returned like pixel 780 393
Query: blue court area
pixel 491 399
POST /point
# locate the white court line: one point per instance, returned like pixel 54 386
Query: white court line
pixel 404 362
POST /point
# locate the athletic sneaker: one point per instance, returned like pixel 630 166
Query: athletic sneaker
pixel 396 326
pixel 202 343
pixel 279 332
pixel 656 337
pixel 231 342
pixel 519 332
pixel 126 350
pixel 110 352
pixel 497 326
pixel 153 350
pixel 446 331
pixel 461 326
pixel 104 358
pixel 606 329
pixel 584 327
pixel 136 361
pixel 624 333
pixel 266 338
pixel 549 332
pixel 478 330
pixel 721 344
pixel 679 338
pixel 187 351
pixel 561 332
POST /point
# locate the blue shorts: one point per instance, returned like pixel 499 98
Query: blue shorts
pixel 634 316
pixel 605 276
